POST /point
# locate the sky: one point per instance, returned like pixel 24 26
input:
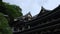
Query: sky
pixel 34 6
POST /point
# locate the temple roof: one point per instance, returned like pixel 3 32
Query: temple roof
pixel 43 11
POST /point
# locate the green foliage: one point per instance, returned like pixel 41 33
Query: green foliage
pixel 4 27
pixel 0 32
pixel 13 10
pixel 3 21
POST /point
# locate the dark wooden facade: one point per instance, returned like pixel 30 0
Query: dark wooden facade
pixel 45 23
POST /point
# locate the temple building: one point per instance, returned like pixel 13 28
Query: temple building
pixel 46 22
pixel 26 17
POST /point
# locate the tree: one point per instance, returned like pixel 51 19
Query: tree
pixel 4 26
pixel 12 11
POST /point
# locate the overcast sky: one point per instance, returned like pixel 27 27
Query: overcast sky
pixel 34 6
